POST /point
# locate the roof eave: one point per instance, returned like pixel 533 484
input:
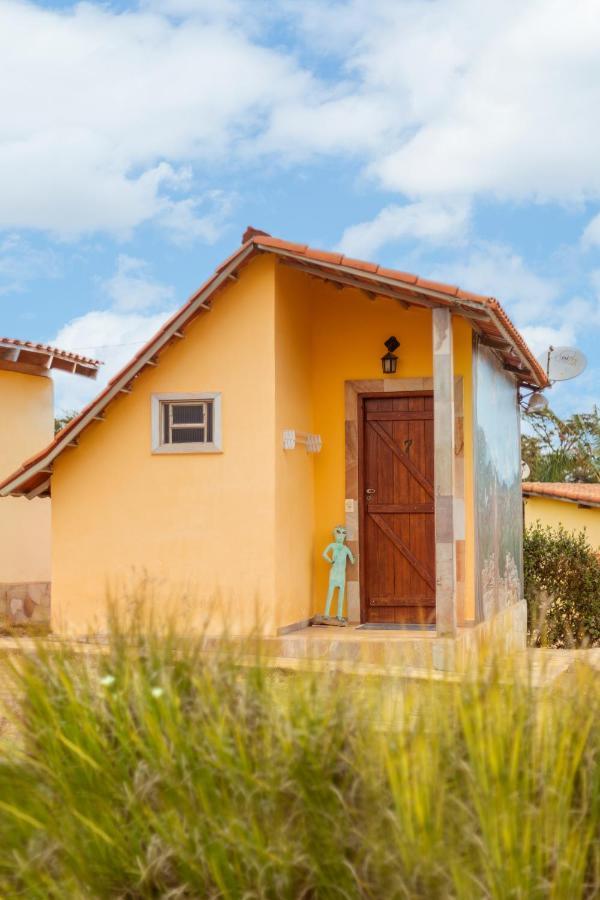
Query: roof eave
pixel 457 301
pixel 429 293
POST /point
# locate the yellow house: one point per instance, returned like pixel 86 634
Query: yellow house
pixel 27 416
pixel 267 411
pixel 574 506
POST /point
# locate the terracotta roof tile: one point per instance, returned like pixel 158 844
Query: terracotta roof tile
pixel 359 264
pixel 438 286
pixel 562 490
pixel 282 245
pixel 324 256
pixel 469 295
pixel 407 277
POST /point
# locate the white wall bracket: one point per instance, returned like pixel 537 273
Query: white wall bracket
pixel 312 442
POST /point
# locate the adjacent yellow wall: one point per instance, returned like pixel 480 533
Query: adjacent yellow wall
pixel 342 339
pixel 199 527
pixel 558 512
pixel 26 425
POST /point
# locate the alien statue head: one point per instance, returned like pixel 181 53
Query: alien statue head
pixel 340 534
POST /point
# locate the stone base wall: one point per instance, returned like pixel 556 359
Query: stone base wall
pixel 504 634
pixel 25 603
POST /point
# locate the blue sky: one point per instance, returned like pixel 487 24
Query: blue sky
pixel 138 140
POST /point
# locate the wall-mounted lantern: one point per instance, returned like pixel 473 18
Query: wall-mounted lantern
pixel 389 360
pixel 537 403
pixel 533 401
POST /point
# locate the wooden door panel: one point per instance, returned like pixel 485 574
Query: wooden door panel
pixel 398 537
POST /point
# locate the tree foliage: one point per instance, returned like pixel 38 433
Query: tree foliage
pixel 562 587
pixel 562 449
pixel 64 419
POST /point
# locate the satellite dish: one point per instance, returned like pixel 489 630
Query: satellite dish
pixel 563 363
pixel 525 471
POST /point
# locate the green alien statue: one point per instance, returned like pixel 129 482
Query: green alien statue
pixel 337 555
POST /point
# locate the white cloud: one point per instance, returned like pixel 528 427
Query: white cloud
pixel 131 289
pixel 138 307
pixel 497 103
pixel 591 233
pixel 111 336
pixel 195 218
pixel 496 270
pixel 540 337
pixel 426 220
pixel 101 109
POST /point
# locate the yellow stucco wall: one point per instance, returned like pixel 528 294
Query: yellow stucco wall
pixel 557 512
pixel 26 413
pixel 295 470
pixel 342 339
pixel 201 527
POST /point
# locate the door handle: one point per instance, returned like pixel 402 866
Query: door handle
pixel 407 444
pixel 369 492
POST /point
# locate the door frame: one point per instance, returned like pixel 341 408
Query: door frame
pixel 355 390
pixel 361 397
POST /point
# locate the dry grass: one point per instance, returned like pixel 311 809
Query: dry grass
pixel 155 770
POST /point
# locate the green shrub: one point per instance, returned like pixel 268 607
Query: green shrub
pixel 562 587
pixel 160 771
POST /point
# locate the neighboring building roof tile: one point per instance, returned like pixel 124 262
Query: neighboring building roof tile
pixel 575 492
pixel 48 350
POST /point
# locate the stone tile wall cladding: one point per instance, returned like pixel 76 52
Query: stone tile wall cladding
pixel 25 603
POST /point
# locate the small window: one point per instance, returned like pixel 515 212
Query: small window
pixel 186 423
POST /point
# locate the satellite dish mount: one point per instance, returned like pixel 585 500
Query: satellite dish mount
pixel 562 363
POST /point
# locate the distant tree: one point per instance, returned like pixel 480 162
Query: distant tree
pixel 64 419
pixel 563 449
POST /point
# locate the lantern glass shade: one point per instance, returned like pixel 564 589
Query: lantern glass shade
pixel 537 402
pixel 388 363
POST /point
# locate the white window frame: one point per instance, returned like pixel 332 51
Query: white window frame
pixel 215 446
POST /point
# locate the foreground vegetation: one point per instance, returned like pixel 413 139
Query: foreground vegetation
pixel 157 770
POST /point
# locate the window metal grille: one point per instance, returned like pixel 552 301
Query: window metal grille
pixel 187 422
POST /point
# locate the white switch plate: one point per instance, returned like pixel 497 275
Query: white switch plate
pixel 349 505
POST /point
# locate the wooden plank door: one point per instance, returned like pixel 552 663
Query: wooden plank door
pixel 397 533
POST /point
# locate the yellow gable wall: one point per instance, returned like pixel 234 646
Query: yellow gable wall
pixel 557 512
pixel 27 425
pixel 325 337
pixel 199 525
